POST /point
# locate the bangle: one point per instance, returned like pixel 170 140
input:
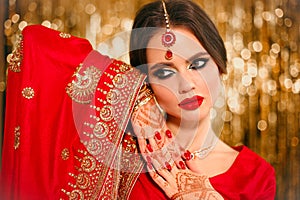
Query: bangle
pixel 145 95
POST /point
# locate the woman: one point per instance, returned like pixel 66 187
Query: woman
pixel 79 103
pixel 184 59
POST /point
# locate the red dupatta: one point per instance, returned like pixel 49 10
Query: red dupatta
pixel 57 147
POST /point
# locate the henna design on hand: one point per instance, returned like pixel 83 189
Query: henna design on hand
pixel 193 186
pixel 147 119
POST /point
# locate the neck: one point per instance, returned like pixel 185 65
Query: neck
pixel 192 135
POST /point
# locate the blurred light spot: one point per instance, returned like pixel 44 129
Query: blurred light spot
pixel 107 29
pixel 32 6
pixel 46 23
pixel 246 54
pixel 227 116
pixel 7 24
pixel 272 117
pixel 15 18
pixel 279 12
pixel 288 83
pixel 295 141
pixel 262 125
pixel 246 80
pixel 263 72
pixel 22 25
pixel 275 48
pixel 115 21
pixel 257 46
pixel 238 63
pixel 126 23
pixel 288 22
pixel 90 8
pixel 296 87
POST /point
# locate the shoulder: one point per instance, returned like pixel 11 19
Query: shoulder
pixel 248 155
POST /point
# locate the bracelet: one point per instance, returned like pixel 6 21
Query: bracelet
pixel 145 95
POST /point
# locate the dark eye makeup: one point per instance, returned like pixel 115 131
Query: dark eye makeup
pixel 198 63
pixel 165 71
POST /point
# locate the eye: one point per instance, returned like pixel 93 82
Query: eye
pixel 198 63
pixel 163 73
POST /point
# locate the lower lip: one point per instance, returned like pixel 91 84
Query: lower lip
pixel 192 105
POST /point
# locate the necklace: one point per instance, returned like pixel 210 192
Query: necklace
pixel 202 153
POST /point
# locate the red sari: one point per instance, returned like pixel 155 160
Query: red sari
pixel 249 178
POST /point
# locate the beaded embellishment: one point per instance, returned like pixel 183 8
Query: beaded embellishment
pixel 168 38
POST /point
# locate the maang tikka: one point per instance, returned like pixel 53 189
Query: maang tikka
pixel 168 38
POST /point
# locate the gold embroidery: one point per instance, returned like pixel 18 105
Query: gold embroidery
pixel 82 89
pixel 28 93
pixel 107 113
pixel 64 35
pixel 124 67
pixel 86 177
pixel 15 60
pixel 120 80
pixel 88 163
pixel 94 147
pixel 17 137
pixel 65 154
pixel 113 96
pixel 83 181
pixel 101 130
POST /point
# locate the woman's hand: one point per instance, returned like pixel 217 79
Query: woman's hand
pixel 184 184
pixel 154 139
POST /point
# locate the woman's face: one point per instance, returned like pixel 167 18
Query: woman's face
pixel 187 85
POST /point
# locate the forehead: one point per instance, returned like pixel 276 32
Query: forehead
pixel 186 43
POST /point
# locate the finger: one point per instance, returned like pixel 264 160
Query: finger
pixel 160 181
pixel 142 144
pixel 175 150
pixel 163 156
pixel 159 139
pixel 153 144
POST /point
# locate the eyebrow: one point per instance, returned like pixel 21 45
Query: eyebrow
pixel 197 55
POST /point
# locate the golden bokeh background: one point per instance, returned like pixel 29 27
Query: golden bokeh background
pixel 262 38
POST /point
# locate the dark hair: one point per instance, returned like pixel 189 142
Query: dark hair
pixel 181 13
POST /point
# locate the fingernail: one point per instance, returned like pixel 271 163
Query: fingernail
pixel 187 155
pixel 168 133
pixel 181 164
pixel 168 166
pixel 148 159
pixel 149 148
pixel 149 166
pixel 157 135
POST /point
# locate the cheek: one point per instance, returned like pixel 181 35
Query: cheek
pixel 165 97
pixel 212 81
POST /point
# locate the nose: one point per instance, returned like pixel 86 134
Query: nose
pixel 185 84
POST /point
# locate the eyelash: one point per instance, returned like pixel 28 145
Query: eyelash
pixel 197 64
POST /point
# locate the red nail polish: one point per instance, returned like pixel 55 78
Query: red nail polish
pixel 149 165
pixel 149 148
pixel 168 166
pixel 148 159
pixel 187 155
pixel 182 165
pixel 157 135
pixel 168 133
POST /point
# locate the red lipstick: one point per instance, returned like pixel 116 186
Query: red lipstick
pixel 191 103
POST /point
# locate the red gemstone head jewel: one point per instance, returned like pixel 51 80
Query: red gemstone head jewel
pixel 168 38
